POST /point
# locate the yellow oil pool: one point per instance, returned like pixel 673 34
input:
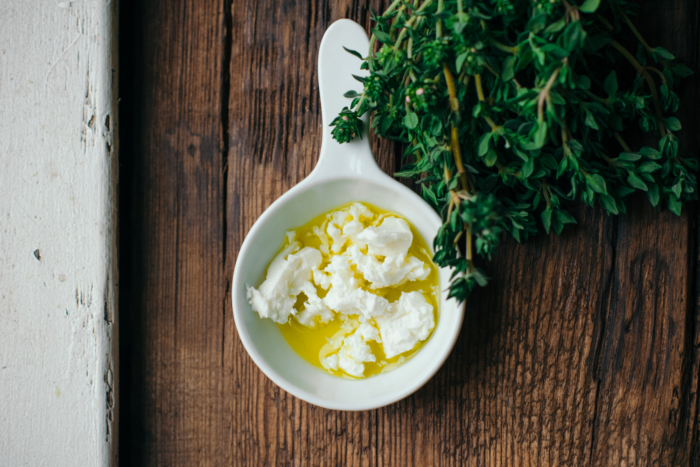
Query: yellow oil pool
pixel 315 343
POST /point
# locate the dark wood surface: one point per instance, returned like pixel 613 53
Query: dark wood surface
pixel 584 350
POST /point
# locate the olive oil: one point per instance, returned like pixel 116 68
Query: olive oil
pixel 315 343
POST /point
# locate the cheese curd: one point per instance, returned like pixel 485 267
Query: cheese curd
pixel 392 238
pixel 344 280
pixel 288 274
pixel 405 323
pixel 354 352
pixel 389 272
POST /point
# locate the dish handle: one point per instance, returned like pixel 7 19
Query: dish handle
pixel 335 70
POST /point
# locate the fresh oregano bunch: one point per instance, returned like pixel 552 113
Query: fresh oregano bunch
pixel 511 109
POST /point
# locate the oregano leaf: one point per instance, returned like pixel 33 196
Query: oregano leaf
pixel 546 217
pixel 507 117
pixel 353 52
pixel 610 84
pixel 410 120
pixel 597 183
pixel 589 6
pixel 636 182
pixel 653 195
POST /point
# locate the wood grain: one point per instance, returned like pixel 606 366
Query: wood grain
pixel 583 351
pixel 172 243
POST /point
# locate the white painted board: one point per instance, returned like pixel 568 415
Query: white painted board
pixel 58 167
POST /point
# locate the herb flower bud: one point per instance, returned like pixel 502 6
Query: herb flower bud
pixel 374 88
pixel 547 6
pixel 347 125
pixel 423 94
pixel 505 7
pixel 388 57
pixel 387 122
pixel 471 58
pixel 435 53
pixel 485 216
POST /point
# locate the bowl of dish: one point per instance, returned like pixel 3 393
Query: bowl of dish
pixel 345 174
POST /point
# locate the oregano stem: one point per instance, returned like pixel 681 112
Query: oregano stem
pixel 503 47
pixel 454 133
pixel 391 7
pixel 451 89
pixel 409 24
pixel 482 98
pixel 403 31
pixel 596 98
pixel 457 154
pixel 636 32
pixel 479 88
pixel 565 140
pixel 605 22
pixel 622 142
pixel 545 194
pixel 373 39
pixel 469 246
pixel 544 94
pixel 652 86
pixel 658 72
pixel 638 66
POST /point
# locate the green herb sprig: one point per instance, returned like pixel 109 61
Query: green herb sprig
pixel 511 109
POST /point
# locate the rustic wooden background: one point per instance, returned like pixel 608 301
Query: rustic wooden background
pixel 584 350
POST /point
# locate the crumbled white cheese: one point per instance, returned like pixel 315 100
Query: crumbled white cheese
pixel 407 322
pixel 321 279
pixel 345 224
pixel 291 235
pixel 355 302
pixel 353 353
pixel 389 272
pixel 357 257
pixel 287 275
pixel 320 232
pixel 330 362
pixel 359 212
pixel 313 306
pixel 348 324
pixel 334 229
pixel 345 295
pixel 392 238
pixel 354 350
pixel 304 261
pixel 352 228
pixel 369 332
pixel 340 274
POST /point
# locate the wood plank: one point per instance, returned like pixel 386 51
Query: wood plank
pixel 583 350
pixel 58 354
pixel 646 410
pixel 415 431
pixel 275 128
pixel 172 242
pixel 522 386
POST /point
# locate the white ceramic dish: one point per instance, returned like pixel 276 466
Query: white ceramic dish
pixel 344 173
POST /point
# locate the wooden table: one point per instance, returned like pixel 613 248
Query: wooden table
pixel 584 350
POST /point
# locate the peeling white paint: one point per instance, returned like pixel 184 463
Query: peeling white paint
pixel 57 233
